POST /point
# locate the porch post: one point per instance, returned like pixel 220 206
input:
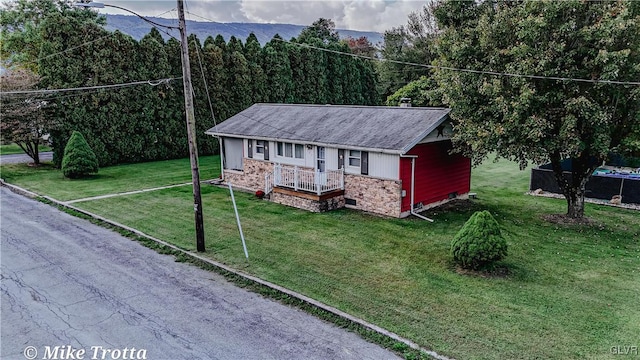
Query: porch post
pixel 318 182
pixel 266 183
pixel 295 178
pixel 342 178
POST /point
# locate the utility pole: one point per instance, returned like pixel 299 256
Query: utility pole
pixel 191 128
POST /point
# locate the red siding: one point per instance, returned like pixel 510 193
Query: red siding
pixel 437 174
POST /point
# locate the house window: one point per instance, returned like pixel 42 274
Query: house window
pixel 259 146
pixel 354 158
pixel 290 150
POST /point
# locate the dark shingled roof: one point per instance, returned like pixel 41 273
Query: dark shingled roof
pixel 390 129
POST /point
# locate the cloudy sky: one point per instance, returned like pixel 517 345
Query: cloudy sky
pixel 366 15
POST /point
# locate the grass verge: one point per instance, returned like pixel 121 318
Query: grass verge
pixel 570 292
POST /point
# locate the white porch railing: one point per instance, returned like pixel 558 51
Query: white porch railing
pixel 304 180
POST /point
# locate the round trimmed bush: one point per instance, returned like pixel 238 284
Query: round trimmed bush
pixel 78 160
pixel 479 242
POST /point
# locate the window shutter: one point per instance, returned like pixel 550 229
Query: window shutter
pixel 340 158
pixel 266 150
pixel 364 163
pixel 250 149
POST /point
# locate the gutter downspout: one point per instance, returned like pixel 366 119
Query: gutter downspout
pixel 413 182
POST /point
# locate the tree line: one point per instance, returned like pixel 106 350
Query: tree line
pixel 457 51
pixel 146 122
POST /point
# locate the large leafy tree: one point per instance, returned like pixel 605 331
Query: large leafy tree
pixel 24 117
pixel 410 43
pixel 542 119
pixel 422 92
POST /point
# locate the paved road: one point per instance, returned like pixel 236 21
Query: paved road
pixel 71 284
pixel 24 158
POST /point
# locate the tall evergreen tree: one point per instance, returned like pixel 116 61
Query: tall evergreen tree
pixel 153 63
pixel 202 110
pixel 176 134
pixel 253 54
pixel 238 76
pixel 298 76
pixel 234 44
pixel 239 82
pixel 76 68
pixel 336 70
pixel 278 71
pixel 217 79
pixel 22 27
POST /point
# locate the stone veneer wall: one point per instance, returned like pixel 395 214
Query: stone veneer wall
pixel 308 204
pixel 252 178
pixel 374 195
pixel 371 194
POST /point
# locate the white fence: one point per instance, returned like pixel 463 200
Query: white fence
pixel 304 180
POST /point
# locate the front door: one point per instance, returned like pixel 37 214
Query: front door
pixel 320 158
pixel 321 176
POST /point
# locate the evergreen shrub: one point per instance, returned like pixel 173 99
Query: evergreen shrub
pixel 78 160
pixel 479 242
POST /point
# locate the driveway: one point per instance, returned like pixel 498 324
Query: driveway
pixel 69 286
pixel 24 158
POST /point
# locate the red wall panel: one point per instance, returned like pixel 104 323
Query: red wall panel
pixel 437 174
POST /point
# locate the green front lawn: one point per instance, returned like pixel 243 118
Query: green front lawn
pixel 571 291
pixel 46 180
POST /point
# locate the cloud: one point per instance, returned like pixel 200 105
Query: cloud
pixel 368 15
pixel 365 15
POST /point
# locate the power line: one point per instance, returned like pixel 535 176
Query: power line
pixel 495 73
pixel 48 91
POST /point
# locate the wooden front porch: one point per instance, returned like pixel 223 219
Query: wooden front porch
pixel 304 181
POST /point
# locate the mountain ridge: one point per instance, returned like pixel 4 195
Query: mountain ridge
pixel 138 28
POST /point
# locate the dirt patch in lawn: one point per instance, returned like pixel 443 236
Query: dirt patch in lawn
pixel 563 219
pixel 497 272
pixel 454 206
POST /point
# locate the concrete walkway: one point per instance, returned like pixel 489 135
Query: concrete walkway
pixel 124 193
